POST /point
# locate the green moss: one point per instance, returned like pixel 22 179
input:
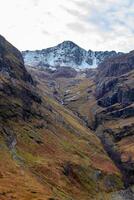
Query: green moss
pixel 30 136
pixel 29 158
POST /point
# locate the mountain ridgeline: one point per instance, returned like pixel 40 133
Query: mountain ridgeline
pixel 66 54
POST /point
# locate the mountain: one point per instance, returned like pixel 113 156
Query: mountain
pixel 103 98
pixel 66 54
pixel 46 151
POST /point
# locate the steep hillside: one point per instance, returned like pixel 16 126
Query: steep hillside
pixel 115 95
pixel 46 153
pixel 66 54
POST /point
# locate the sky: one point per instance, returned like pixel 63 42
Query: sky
pixel 92 24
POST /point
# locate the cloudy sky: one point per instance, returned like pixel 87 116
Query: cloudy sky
pixel 92 24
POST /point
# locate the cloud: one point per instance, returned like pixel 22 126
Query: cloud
pixel 94 24
pixel 77 27
pixel 35 2
pixel 44 32
pixel 74 12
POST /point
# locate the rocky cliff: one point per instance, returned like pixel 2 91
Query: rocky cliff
pixel 115 95
pixel 66 54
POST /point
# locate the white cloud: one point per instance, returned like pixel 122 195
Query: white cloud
pixel 94 24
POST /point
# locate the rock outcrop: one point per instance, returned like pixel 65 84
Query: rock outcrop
pixel 66 72
pixel 11 62
pixel 115 95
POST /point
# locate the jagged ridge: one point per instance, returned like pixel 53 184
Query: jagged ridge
pixel 66 54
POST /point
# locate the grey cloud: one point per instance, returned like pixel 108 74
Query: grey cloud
pixel 106 18
pixel 44 32
pixel 36 2
pixel 82 4
pixel 77 27
pixel 75 13
pixel 110 20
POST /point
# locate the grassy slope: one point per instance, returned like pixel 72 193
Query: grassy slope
pixel 55 157
pixel 85 106
pixel 79 98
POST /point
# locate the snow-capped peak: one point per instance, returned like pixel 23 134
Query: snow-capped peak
pixel 65 54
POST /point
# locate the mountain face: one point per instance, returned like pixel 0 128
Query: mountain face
pixel 16 84
pixel 46 151
pixel 115 95
pixel 66 54
pixel 11 62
